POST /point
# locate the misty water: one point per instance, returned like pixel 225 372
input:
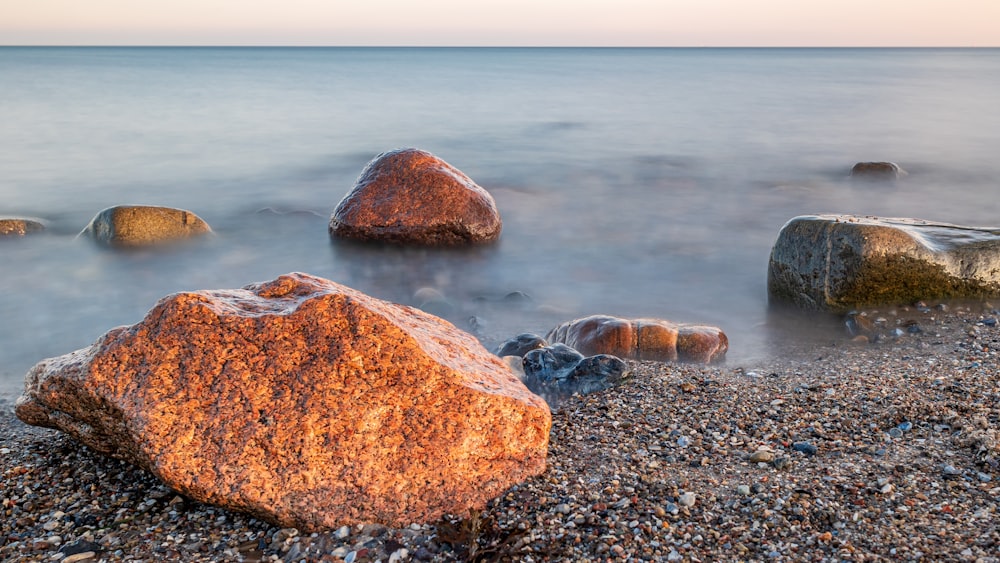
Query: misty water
pixel 634 182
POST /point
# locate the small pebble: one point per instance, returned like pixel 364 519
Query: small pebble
pixel 743 490
pixel 687 499
pixel 905 426
pixel 804 447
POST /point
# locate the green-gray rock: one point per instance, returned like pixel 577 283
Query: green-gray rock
pixel 143 225
pixel 839 262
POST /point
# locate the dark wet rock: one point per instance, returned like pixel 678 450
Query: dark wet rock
pixel 841 262
pixel 551 363
pixel 143 225
pixel 413 197
pixel 805 447
pixel 20 226
pixel 521 345
pixel 642 339
pixel 877 171
pixel 561 370
pixel 596 373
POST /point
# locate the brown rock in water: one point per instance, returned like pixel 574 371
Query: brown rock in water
pixel 142 225
pixel 642 339
pixel 412 196
pixel 841 262
pixel 302 402
pixel 20 226
pixel 877 171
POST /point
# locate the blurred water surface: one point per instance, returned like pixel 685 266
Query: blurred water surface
pixel 631 181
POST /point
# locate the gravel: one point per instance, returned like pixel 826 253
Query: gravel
pixel 886 447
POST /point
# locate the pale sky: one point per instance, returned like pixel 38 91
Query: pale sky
pixel 904 23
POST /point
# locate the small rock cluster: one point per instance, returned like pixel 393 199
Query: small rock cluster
pixel 556 370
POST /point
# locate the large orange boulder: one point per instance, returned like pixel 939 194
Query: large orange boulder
pixel 302 402
pixel 642 339
pixel 411 196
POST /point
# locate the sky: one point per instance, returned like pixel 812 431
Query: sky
pixel 695 23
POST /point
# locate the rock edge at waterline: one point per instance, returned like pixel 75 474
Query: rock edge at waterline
pixel 837 263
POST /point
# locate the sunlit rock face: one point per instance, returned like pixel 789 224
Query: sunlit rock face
pixel 302 402
pixel 410 196
pixel 877 171
pixel 643 339
pixel 144 225
pixel 20 226
pixel 840 262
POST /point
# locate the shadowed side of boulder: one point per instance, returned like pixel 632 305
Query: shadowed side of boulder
pixel 302 402
pixel 144 225
pixel 410 196
pixel 840 262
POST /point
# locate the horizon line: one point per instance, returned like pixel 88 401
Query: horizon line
pixel 417 46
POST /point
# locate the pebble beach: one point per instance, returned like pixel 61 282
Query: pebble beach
pixel 884 446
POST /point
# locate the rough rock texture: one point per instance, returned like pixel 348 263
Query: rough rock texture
pixel 642 339
pixel 877 171
pixel 840 262
pixel 302 402
pixel 412 196
pixel 141 225
pixel 20 226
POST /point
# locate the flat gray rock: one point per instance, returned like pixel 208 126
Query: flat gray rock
pixel 840 262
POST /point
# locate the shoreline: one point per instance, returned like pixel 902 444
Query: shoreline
pixel 863 451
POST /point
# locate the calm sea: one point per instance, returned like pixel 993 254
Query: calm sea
pixel 637 182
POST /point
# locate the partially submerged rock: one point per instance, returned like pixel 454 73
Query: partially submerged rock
pixel 20 226
pixel 302 402
pixel 877 171
pixel 521 345
pixel 144 225
pixel 643 339
pixel 840 262
pixel 411 196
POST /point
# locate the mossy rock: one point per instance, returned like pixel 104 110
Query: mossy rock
pixel 840 262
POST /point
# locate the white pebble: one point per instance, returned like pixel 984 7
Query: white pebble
pixel 687 499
